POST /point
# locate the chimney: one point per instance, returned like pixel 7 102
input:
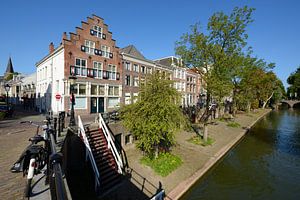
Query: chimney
pixel 64 37
pixel 51 48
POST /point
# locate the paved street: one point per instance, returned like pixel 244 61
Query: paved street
pixel 13 139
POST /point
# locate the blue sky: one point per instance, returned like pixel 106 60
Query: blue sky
pixel 153 26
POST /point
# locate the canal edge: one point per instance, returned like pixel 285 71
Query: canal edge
pixel 185 185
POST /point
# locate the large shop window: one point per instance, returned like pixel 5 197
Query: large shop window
pixel 82 89
pixel 80 103
pixel 98 67
pixel 113 90
pixel 113 102
pixel 112 71
pixel 101 90
pixel 89 47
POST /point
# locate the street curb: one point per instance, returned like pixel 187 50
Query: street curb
pixel 185 185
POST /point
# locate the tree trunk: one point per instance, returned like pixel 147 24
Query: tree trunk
pixel 248 107
pixel 265 102
pixel 205 132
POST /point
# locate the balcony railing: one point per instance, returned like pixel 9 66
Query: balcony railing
pixel 94 73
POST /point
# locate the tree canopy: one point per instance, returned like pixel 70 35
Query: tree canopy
pixel 294 82
pixel 156 116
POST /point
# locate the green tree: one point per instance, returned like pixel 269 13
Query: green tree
pixel 212 53
pixel 156 116
pixel 294 82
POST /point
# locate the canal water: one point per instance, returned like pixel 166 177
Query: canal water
pixel 264 165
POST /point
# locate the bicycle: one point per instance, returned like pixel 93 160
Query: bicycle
pixel 34 158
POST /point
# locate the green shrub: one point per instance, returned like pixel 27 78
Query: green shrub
pixel 2 115
pixel 164 164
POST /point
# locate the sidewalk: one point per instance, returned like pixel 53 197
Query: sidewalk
pixel 196 159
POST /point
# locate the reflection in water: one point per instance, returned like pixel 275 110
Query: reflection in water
pixel 265 165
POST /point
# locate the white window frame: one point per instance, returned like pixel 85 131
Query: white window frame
pixel 136 67
pixel 81 67
pixel 105 51
pixel 128 66
pixel 98 69
pixel 98 31
pixel 89 47
pixel 115 88
pixel 112 71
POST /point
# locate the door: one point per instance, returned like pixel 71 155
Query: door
pixel 93 104
pixel 101 104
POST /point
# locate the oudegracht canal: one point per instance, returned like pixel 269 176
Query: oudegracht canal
pixel 264 165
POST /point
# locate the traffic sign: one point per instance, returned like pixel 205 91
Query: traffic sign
pixel 57 97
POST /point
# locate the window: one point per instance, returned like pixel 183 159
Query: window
pixel 80 67
pixel 101 90
pixel 105 51
pixel 128 66
pixel 98 69
pixel 127 98
pixel 142 81
pixel 93 89
pixel 112 72
pixel 136 81
pixel 113 102
pixel 89 46
pixel 135 68
pixel 82 89
pixel 80 103
pixel 135 97
pixel 127 80
pixel 97 31
pixel 113 90
pixel 143 69
pixel 149 70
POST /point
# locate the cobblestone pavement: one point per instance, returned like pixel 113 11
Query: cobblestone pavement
pixel 13 140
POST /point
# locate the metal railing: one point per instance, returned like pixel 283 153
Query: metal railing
pixel 89 153
pixel 111 144
pixel 60 189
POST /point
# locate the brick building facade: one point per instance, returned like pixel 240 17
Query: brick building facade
pixel 107 76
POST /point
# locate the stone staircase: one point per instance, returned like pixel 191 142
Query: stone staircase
pixel 106 164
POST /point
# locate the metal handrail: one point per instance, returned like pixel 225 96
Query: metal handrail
pixel 111 144
pixel 60 187
pixel 89 152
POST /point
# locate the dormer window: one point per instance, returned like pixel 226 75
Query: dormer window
pixel 89 47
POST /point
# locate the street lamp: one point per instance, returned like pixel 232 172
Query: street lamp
pixel 7 87
pixel 72 83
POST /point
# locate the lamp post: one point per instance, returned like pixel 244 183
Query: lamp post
pixel 72 83
pixel 7 87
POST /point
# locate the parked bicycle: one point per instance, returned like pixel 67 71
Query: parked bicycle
pixel 37 156
pixel 33 160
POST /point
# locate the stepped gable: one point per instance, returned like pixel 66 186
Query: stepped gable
pixel 132 50
pixel 74 42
